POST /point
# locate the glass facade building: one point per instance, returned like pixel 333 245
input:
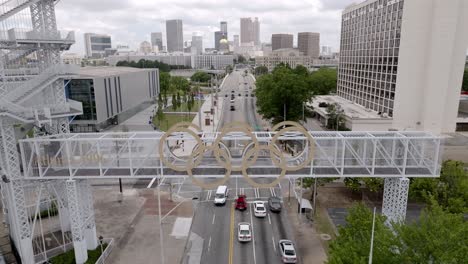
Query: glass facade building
pixel 369 52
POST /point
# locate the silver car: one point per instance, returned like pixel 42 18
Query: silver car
pixel 288 253
pixel 244 232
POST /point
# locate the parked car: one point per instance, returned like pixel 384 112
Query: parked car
pixel 241 203
pixel 233 108
pixel 259 209
pixel 275 204
pixel 287 251
pixel 244 232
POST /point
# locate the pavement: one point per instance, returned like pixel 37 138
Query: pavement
pixel 138 122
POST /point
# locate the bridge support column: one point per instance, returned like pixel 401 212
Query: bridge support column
pixel 88 213
pixel 14 187
pixel 395 199
pixel 76 221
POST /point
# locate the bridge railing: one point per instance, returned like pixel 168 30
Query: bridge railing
pixel 136 154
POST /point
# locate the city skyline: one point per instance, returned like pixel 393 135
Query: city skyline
pixel 200 18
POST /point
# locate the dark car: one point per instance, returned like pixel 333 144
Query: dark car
pixel 240 94
pixel 275 204
pixel 241 203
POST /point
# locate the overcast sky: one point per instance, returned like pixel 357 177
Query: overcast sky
pixel 131 21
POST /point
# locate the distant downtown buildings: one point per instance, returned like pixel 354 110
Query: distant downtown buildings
pixel 403 61
pixel 250 31
pixel 157 40
pixel 282 41
pixel 175 35
pixel 309 43
pixel 96 45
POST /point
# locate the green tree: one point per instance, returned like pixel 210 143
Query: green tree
pixel 437 237
pixel 228 69
pixel 282 90
pixel 450 190
pixel 179 84
pixel 174 102
pixel 260 70
pixel 323 81
pixel 353 244
pixel 336 118
pixel 241 59
pixel 465 80
pixel 200 76
pixel 164 81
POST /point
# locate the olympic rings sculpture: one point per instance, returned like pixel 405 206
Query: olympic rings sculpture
pixel 222 156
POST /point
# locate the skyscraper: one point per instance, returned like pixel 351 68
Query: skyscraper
pixel 197 45
pixel 96 44
pixel 223 27
pixel 174 35
pixel 156 40
pixel 282 41
pixel 309 43
pixel 250 30
pixel 236 41
pixel 404 59
pixel 218 36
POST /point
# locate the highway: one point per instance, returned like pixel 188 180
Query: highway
pixel 217 225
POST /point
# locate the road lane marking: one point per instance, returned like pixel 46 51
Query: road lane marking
pixel 269 219
pixel 209 195
pixel 273 240
pixel 253 234
pixel 151 183
pixel 214 216
pixel 209 244
pixel 231 239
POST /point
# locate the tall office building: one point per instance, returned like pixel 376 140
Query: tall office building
pixel 309 43
pixel 223 27
pixel 250 31
pixel 282 41
pixel 218 36
pixel 96 45
pixel 236 41
pixel 197 45
pixel 174 35
pixel 156 40
pixel 404 59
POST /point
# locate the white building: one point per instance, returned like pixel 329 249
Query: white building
pixel 197 45
pixel 72 58
pixel 212 61
pixel 146 47
pixel 250 31
pixel 404 59
pixel 292 57
pixel 111 95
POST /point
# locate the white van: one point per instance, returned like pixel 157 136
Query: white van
pixel 221 195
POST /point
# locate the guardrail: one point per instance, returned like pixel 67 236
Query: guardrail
pixel 107 251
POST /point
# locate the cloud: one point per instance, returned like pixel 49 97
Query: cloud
pixel 131 21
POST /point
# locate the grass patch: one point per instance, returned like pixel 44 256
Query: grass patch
pixel 183 107
pixel 171 119
pixel 69 256
pixel 324 226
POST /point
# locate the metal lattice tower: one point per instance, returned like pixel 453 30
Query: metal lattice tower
pixel 32 93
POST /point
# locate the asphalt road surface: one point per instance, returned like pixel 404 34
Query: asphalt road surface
pixel 217 225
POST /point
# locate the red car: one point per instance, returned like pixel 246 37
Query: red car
pixel 241 203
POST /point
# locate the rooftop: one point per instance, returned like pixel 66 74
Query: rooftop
pixel 351 109
pixel 106 71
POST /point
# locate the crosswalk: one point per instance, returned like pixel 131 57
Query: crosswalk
pixel 250 193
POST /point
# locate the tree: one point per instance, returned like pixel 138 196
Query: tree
pixel 465 80
pixel 200 76
pixel 437 237
pixel 164 81
pixel 179 84
pixel 323 81
pixel 260 70
pixel 336 118
pixel 353 244
pixel 449 190
pixel 282 91
pixel 228 69
pixel 174 102
pixel 241 59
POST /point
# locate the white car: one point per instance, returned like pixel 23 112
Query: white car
pixel 288 253
pixel 244 233
pixel 259 209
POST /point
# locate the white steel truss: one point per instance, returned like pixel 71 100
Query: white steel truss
pixel 135 155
